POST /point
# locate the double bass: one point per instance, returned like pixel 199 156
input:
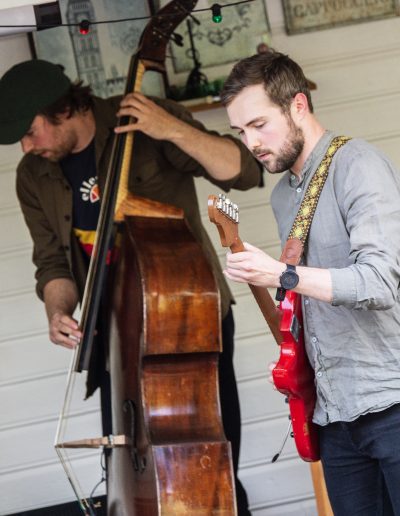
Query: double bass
pixel 168 454
pixel 163 364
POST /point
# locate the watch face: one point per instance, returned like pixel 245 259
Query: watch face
pixel 289 279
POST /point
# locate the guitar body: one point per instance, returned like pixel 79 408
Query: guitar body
pixel 294 377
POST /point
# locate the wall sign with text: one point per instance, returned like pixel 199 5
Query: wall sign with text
pixel 308 15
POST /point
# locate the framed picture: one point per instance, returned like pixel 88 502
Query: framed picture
pixel 101 57
pixel 234 37
pixel 216 46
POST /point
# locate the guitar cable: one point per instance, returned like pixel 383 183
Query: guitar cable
pixel 288 432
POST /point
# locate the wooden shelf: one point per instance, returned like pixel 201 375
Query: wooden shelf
pixel 201 104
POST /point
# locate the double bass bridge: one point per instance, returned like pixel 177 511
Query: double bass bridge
pixel 107 441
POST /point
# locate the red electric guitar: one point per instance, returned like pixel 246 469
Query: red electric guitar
pixel 292 375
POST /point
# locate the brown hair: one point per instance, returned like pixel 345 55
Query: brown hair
pixel 77 99
pixel 281 76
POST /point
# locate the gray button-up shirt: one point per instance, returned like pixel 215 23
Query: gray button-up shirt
pixel 353 343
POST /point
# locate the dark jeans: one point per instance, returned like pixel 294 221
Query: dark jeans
pixel 361 463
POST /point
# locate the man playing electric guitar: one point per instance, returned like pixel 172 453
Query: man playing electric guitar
pixel 292 375
pixel 349 282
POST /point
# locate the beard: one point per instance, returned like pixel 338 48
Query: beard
pixel 53 155
pixel 287 155
pixel 58 155
pixel 64 142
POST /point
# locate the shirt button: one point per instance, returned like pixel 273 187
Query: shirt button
pixel 67 217
pixel 319 374
pixel 298 190
pixel 66 248
pixel 306 301
pixel 314 340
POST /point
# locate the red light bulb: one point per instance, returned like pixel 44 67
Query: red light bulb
pixel 84 27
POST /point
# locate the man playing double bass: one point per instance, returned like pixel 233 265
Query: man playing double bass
pixel 66 135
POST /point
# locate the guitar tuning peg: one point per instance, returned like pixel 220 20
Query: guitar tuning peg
pixel 235 215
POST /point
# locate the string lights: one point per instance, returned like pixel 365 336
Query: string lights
pixel 216 13
pixel 84 25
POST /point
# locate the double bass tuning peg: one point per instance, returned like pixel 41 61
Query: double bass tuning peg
pixel 177 39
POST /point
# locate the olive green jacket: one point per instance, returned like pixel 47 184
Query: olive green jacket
pixel 160 171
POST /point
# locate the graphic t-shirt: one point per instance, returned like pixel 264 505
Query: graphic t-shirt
pixel 80 171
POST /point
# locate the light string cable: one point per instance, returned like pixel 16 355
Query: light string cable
pixel 84 25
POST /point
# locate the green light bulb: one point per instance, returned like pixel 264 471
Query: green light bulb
pixel 216 13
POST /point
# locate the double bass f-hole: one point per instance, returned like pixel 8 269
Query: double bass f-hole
pixel 139 463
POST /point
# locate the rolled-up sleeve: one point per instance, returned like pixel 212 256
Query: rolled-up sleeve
pixel 250 170
pixel 250 173
pixel 368 192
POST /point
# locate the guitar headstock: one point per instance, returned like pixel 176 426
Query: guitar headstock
pixel 225 215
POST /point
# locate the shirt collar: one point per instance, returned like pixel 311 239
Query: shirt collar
pixel 105 117
pixel 315 155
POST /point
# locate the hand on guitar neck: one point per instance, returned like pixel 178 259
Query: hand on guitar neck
pixel 225 215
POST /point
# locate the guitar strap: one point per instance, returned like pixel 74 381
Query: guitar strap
pixel 297 238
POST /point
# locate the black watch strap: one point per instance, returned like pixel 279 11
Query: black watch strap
pixel 281 291
pixel 280 294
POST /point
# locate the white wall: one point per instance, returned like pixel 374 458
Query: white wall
pixel 357 72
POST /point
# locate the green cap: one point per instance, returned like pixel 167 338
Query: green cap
pixel 25 90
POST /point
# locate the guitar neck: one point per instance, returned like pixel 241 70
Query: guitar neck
pixel 270 311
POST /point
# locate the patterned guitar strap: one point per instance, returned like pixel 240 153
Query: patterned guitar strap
pixel 297 238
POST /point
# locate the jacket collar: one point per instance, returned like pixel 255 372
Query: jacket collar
pixel 105 118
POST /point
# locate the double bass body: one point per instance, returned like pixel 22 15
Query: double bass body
pixel 164 346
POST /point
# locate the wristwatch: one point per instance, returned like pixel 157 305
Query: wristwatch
pixel 288 280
